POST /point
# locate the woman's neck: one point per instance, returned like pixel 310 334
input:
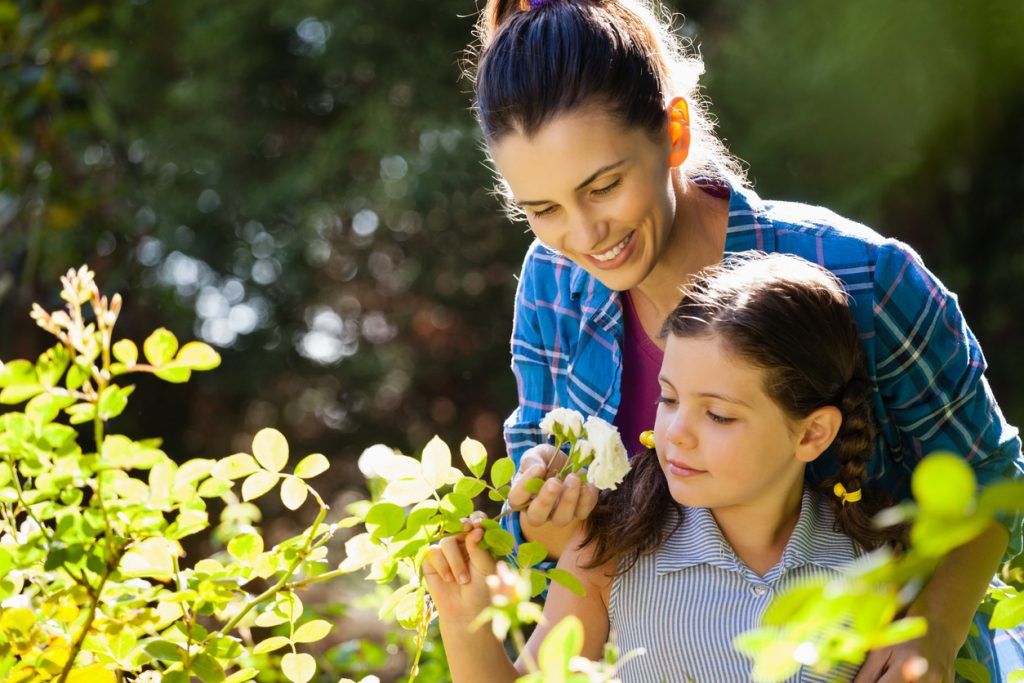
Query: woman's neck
pixel 697 240
pixel 759 532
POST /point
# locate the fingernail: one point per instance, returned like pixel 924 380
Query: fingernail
pixel 463 578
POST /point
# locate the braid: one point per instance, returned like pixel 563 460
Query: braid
pixel 854 446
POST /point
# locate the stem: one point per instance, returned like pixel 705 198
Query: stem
pixel 282 582
pixel 91 616
pixel 517 638
pixel 28 510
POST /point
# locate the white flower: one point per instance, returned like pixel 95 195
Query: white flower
pixel 562 422
pixel 586 451
pixel 610 463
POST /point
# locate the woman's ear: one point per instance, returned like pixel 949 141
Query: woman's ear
pixel 678 114
pixel 817 432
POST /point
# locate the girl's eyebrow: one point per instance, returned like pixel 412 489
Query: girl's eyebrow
pixel 721 397
pixel 593 176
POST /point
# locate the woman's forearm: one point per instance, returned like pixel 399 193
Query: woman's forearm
pixel 475 655
pixel 951 597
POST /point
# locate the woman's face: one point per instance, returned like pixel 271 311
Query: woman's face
pixel 599 194
pixel 721 440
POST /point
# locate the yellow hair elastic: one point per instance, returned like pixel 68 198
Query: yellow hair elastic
pixel 848 497
pixel 647 438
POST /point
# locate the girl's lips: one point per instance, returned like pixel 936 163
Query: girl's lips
pixel 681 470
pixel 621 258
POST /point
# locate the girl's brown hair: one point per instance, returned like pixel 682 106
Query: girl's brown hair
pixel 621 56
pixel 790 318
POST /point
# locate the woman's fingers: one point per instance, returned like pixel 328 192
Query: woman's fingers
pixel 518 495
pixel 587 501
pixel 541 507
pixel 565 510
pixel 452 551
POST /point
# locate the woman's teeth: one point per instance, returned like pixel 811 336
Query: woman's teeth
pixel 614 251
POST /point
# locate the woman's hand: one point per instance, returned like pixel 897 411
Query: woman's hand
pixel 456 570
pixel 559 503
pixel 917 661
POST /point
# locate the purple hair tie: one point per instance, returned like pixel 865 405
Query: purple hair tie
pixel 534 4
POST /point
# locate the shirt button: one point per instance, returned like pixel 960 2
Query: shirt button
pixel 759 590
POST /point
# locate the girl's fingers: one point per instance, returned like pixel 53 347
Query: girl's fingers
pixel 587 501
pixel 539 511
pixel 452 551
pixel 481 560
pixel 435 564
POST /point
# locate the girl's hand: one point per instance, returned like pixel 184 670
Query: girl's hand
pixel 560 503
pixel 456 570
pixel 916 661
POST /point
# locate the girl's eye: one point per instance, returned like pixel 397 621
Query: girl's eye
pixel 720 419
pixel 666 400
pixel 608 188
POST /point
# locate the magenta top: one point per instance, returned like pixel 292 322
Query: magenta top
pixel 641 363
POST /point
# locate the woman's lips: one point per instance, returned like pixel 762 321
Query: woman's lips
pixel 625 248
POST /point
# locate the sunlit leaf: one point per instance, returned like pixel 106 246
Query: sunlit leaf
pixel 113 401
pixel 255 485
pixel 972 671
pixel 208 669
pixel 312 631
pixel 175 374
pixel 437 460
pixel 152 557
pixel 360 550
pixel 502 471
pixel 270 644
pixel 245 547
pixel 293 492
pixel 474 455
pixel 298 668
pixel 470 487
pixel 385 519
pixel 499 541
pixel 1008 612
pixel 160 347
pixel 235 466
pixel 241 675
pixel 564 642
pixel 94 673
pixel 312 465
pixel 566 579
pixel 126 351
pixel 943 484
pixel 908 628
pixel 271 449
pixel 407 491
pixel 529 554
pixel 198 356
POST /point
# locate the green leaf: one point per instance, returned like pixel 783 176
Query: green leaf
pixel 271 449
pixel 391 601
pixel 1008 612
pixel 160 347
pixel 174 374
pixel 502 471
pixel 18 372
pixel 385 519
pixel 208 669
pixel 198 356
pixel 293 492
pixel 474 455
pixel 972 671
pixel 1016 676
pixel 470 487
pixel 407 491
pixel 529 554
pixel 312 631
pixel 564 578
pixel 246 547
pixel 534 485
pixel 240 676
pixel 44 408
pixel 298 668
pixel 20 392
pixel 943 484
pixel 564 642
pixel 270 644
pixel 312 465
pixel 499 541
pixel 235 467
pixel 538 582
pixel 1005 496
pixel 81 412
pixel 51 365
pixel 255 485
pixel 126 351
pixel 75 378
pixel 908 628
pixel 456 505
pixel 164 650
pixel 113 401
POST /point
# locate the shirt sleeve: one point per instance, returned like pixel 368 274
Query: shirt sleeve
pixel 930 374
pixel 536 390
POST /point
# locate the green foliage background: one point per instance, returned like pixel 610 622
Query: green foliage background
pixel 300 184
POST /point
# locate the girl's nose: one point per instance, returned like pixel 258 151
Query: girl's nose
pixel 680 432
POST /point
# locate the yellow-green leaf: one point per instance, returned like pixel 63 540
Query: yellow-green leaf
pixel 94 673
pixel 126 351
pixel 312 465
pixel 271 449
pixel 293 493
pixel 943 484
pixel 198 356
pixel 160 347
pixel 474 455
pixel 437 460
pixel 245 547
pixel 312 631
pixel 151 557
pixel 298 668
pixel 270 644
pixel 255 485
pixel 242 675
pixel 407 491
pixel 235 467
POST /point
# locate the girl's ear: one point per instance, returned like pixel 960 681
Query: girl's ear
pixel 678 131
pixel 817 432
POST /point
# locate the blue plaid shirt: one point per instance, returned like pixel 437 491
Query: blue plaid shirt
pixel 930 389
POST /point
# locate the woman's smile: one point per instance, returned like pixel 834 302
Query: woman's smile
pixel 616 256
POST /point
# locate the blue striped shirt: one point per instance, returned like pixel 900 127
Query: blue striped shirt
pixel 686 602
pixel 930 391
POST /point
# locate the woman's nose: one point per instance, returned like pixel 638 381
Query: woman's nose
pixel 589 232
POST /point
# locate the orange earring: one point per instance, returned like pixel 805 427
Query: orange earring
pixel 679 130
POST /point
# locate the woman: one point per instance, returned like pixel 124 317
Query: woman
pixel 592 119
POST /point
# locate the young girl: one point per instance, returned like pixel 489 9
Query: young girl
pixel 592 115
pixel 763 371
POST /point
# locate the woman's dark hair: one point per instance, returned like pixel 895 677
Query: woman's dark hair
pixel 791 318
pixel 531 65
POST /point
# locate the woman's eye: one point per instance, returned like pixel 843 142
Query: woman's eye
pixel 607 188
pixel 544 212
pixel 720 419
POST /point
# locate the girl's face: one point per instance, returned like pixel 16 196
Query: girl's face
pixel 721 441
pixel 599 194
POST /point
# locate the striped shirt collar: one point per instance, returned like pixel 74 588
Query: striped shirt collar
pixel 814 541
pixel 750 227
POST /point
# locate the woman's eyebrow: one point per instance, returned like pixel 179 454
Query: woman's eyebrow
pixel 599 172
